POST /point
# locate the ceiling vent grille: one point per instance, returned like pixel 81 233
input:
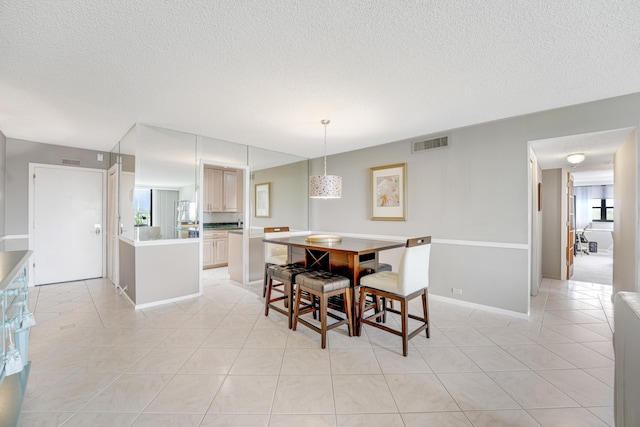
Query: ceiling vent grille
pixel 430 144
pixel 70 162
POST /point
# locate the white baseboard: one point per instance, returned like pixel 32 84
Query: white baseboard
pixel 166 301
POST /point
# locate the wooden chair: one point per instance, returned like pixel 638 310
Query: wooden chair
pixel 286 275
pixel 322 285
pixel 273 254
pixel 411 281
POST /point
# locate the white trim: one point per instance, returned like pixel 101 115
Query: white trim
pixel 166 301
pixel 522 246
pixel 476 306
pixel 14 237
pixel 162 242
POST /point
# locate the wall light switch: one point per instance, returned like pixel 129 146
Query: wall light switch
pixel 100 157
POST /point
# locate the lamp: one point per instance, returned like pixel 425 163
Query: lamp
pixel 574 159
pixel 325 186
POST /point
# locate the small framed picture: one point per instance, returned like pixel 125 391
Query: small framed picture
pixel 388 192
pixel 262 200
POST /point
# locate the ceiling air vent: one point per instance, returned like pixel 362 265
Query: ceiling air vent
pixel 70 162
pixel 429 144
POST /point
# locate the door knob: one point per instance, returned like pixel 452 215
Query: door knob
pixel 97 228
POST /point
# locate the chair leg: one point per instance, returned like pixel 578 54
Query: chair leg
pixel 425 309
pixel 360 311
pixel 289 302
pixel 297 299
pixel 404 312
pixel 264 285
pixel 323 320
pixel 347 309
pixel 268 288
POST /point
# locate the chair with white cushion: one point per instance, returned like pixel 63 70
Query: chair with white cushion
pixel 274 254
pixel 411 281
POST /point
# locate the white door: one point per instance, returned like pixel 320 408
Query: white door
pixel 67 224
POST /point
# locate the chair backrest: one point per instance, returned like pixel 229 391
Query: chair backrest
pixel 271 249
pixel 413 272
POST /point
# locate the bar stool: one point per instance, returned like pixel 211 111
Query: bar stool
pixel 411 281
pixel 322 285
pixel 274 254
pixel 286 275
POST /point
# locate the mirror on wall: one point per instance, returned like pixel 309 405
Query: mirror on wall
pixel 279 190
pixel 126 160
pixel 164 197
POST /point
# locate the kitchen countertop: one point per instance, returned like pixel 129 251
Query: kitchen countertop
pixel 221 226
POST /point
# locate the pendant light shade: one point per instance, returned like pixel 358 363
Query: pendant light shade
pixel 325 186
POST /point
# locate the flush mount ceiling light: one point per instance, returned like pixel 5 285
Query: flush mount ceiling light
pixel 574 159
pixel 325 186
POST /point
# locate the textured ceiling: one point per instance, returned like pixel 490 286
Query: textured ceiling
pixel 265 72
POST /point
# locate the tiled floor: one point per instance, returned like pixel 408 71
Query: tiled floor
pixel 218 361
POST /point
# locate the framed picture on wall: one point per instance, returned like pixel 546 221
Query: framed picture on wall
pixel 388 192
pixel 262 200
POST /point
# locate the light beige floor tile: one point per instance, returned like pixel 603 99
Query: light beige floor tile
pixel 463 336
pixel 129 393
pixel 162 360
pixel 365 420
pixel 267 338
pixel 114 359
pixel 606 375
pixel 420 393
pixel 580 356
pixel 604 348
pixel 226 338
pixel 354 361
pixel 436 339
pixel 605 413
pixel 392 362
pixel 100 419
pixel 71 394
pixel 476 391
pixel 362 394
pixel 309 394
pixel 41 382
pixel 238 321
pixel 303 338
pixel 258 361
pixel 155 420
pixel 210 361
pixel 581 387
pixel 185 337
pixel 280 420
pixel 440 419
pixel 448 359
pixel 339 338
pixel 234 420
pixel 537 357
pixel 504 336
pixel 531 390
pixel 578 333
pixel 44 419
pixel 306 361
pixel 246 394
pixel 187 393
pixel 501 419
pixel 565 417
pixel 492 358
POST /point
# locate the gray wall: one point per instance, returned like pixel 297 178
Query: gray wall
pixel 552 223
pixel 472 197
pixel 625 233
pixel 19 154
pixel 288 196
pixel 3 167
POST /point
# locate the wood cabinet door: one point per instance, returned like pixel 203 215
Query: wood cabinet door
pixel 220 251
pixel 230 191
pixel 208 253
pixel 212 191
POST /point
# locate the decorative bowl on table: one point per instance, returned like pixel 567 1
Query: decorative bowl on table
pixel 323 238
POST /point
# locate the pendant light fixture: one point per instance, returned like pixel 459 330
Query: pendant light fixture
pixel 325 186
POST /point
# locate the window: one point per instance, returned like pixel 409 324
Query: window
pixel 602 210
pixel 142 206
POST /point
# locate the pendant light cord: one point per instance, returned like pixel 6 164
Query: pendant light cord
pixel 325 123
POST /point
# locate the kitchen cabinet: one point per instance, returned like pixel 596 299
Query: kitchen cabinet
pixel 223 190
pixel 215 248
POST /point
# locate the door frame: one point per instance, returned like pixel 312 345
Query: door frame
pixel 31 215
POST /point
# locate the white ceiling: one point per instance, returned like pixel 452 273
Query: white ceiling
pixel 265 72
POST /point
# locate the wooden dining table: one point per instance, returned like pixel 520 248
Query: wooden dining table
pixel 348 257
